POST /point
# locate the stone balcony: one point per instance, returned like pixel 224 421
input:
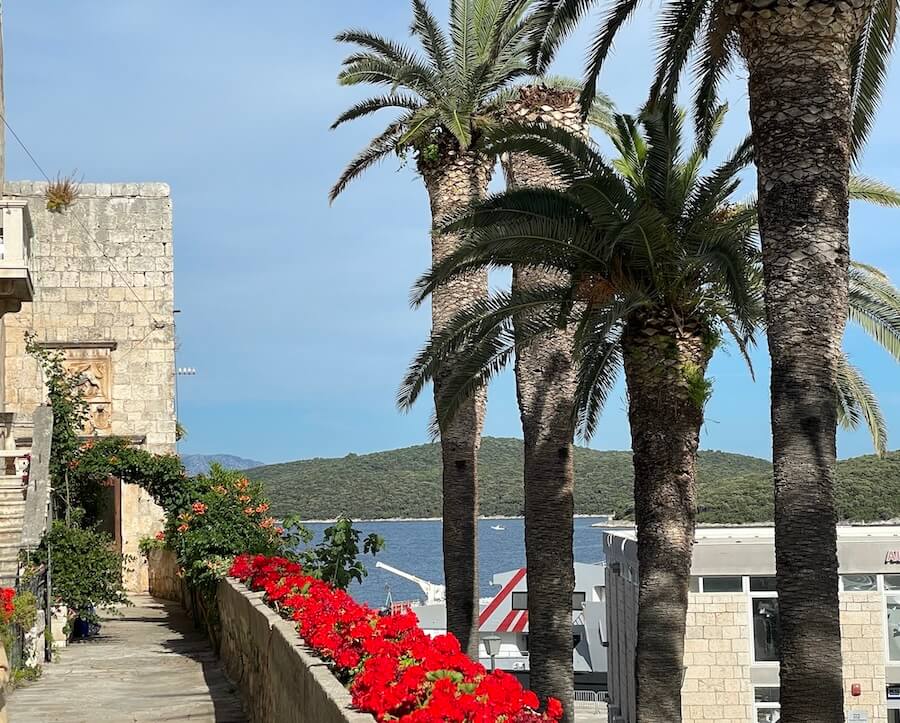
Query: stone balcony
pixel 15 254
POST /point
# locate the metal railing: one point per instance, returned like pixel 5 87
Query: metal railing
pixel 21 651
pixel 591 699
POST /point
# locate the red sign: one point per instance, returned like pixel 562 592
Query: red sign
pixel 892 557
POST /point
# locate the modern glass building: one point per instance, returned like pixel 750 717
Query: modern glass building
pixel 731 643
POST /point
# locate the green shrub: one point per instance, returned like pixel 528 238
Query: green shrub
pixel 87 570
pixel 228 515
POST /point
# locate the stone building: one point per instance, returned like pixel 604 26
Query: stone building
pixel 731 642
pixel 102 274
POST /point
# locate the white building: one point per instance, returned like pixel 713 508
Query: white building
pixel 731 643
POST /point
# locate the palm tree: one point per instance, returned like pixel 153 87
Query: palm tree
pixel 815 72
pixel 545 386
pixel 448 98
pixel 648 271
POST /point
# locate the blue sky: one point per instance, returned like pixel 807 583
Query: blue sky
pixel 295 313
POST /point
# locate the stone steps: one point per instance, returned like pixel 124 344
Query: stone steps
pixel 12 517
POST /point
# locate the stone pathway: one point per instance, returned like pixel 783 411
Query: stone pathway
pixel 148 665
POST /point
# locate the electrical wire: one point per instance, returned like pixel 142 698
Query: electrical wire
pixel 157 325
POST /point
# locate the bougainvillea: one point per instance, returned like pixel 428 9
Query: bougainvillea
pixel 392 668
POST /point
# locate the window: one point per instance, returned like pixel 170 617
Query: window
pixel 893 627
pixel 578 600
pixel 765 705
pixel 520 601
pixel 762 584
pixel 859 583
pixel 892 582
pixel 723 584
pixel 765 629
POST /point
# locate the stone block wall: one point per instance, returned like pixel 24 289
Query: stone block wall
pixel 104 294
pixel 278 680
pixel 717 657
pixel 166 582
pixel 862 646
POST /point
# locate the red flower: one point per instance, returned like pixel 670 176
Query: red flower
pixel 199 508
pixel 6 604
pixel 396 672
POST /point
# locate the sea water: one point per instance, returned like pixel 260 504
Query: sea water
pixel 414 546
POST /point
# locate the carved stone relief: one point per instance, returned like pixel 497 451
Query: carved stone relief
pixel 94 368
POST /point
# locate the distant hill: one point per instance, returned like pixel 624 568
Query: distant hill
pixel 199 463
pixel 406 483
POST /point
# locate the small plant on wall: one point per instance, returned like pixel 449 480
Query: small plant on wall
pixel 61 193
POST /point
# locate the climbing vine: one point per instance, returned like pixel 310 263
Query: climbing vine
pixel 70 413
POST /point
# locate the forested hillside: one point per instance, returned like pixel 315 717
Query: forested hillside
pixel 734 488
pixel 406 482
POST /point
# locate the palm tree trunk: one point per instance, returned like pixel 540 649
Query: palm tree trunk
pixel 454 180
pixel 545 386
pixel 665 365
pixel 799 81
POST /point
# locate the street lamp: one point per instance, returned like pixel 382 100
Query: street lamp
pixel 492 646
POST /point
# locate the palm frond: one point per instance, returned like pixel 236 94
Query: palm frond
pixel 463 34
pixel 857 403
pixel 382 145
pixel 372 105
pixel 875 307
pixel 368 68
pixel 620 12
pixel 863 188
pixel 716 188
pixel 677 32
pixel 869 60
pixel 478 343
pixel 553 20
pixel 712 62
pixel 386 49
pixel 426 28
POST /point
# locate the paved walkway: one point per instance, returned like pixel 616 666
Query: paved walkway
pixel 148 665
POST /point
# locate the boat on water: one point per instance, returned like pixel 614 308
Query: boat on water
pixel 505 615
pixel 499 528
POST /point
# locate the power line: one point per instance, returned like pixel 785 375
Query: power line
pixel 157 325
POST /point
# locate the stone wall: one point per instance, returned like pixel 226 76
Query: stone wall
pixel 717 657
pixel 165 580
pixel 862 646
pixel 103 278
pixel 278 680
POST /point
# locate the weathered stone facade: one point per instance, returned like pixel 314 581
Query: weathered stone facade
pixel 862 646
pixel 103 294
pixel 717 658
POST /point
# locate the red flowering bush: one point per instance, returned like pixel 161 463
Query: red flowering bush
pixel 393 669
pixel 224 514
pixel 7 608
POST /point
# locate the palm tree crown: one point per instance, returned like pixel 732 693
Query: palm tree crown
pixel 450 90
pixel 674 250
pixel 705 30
pixel 643 235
